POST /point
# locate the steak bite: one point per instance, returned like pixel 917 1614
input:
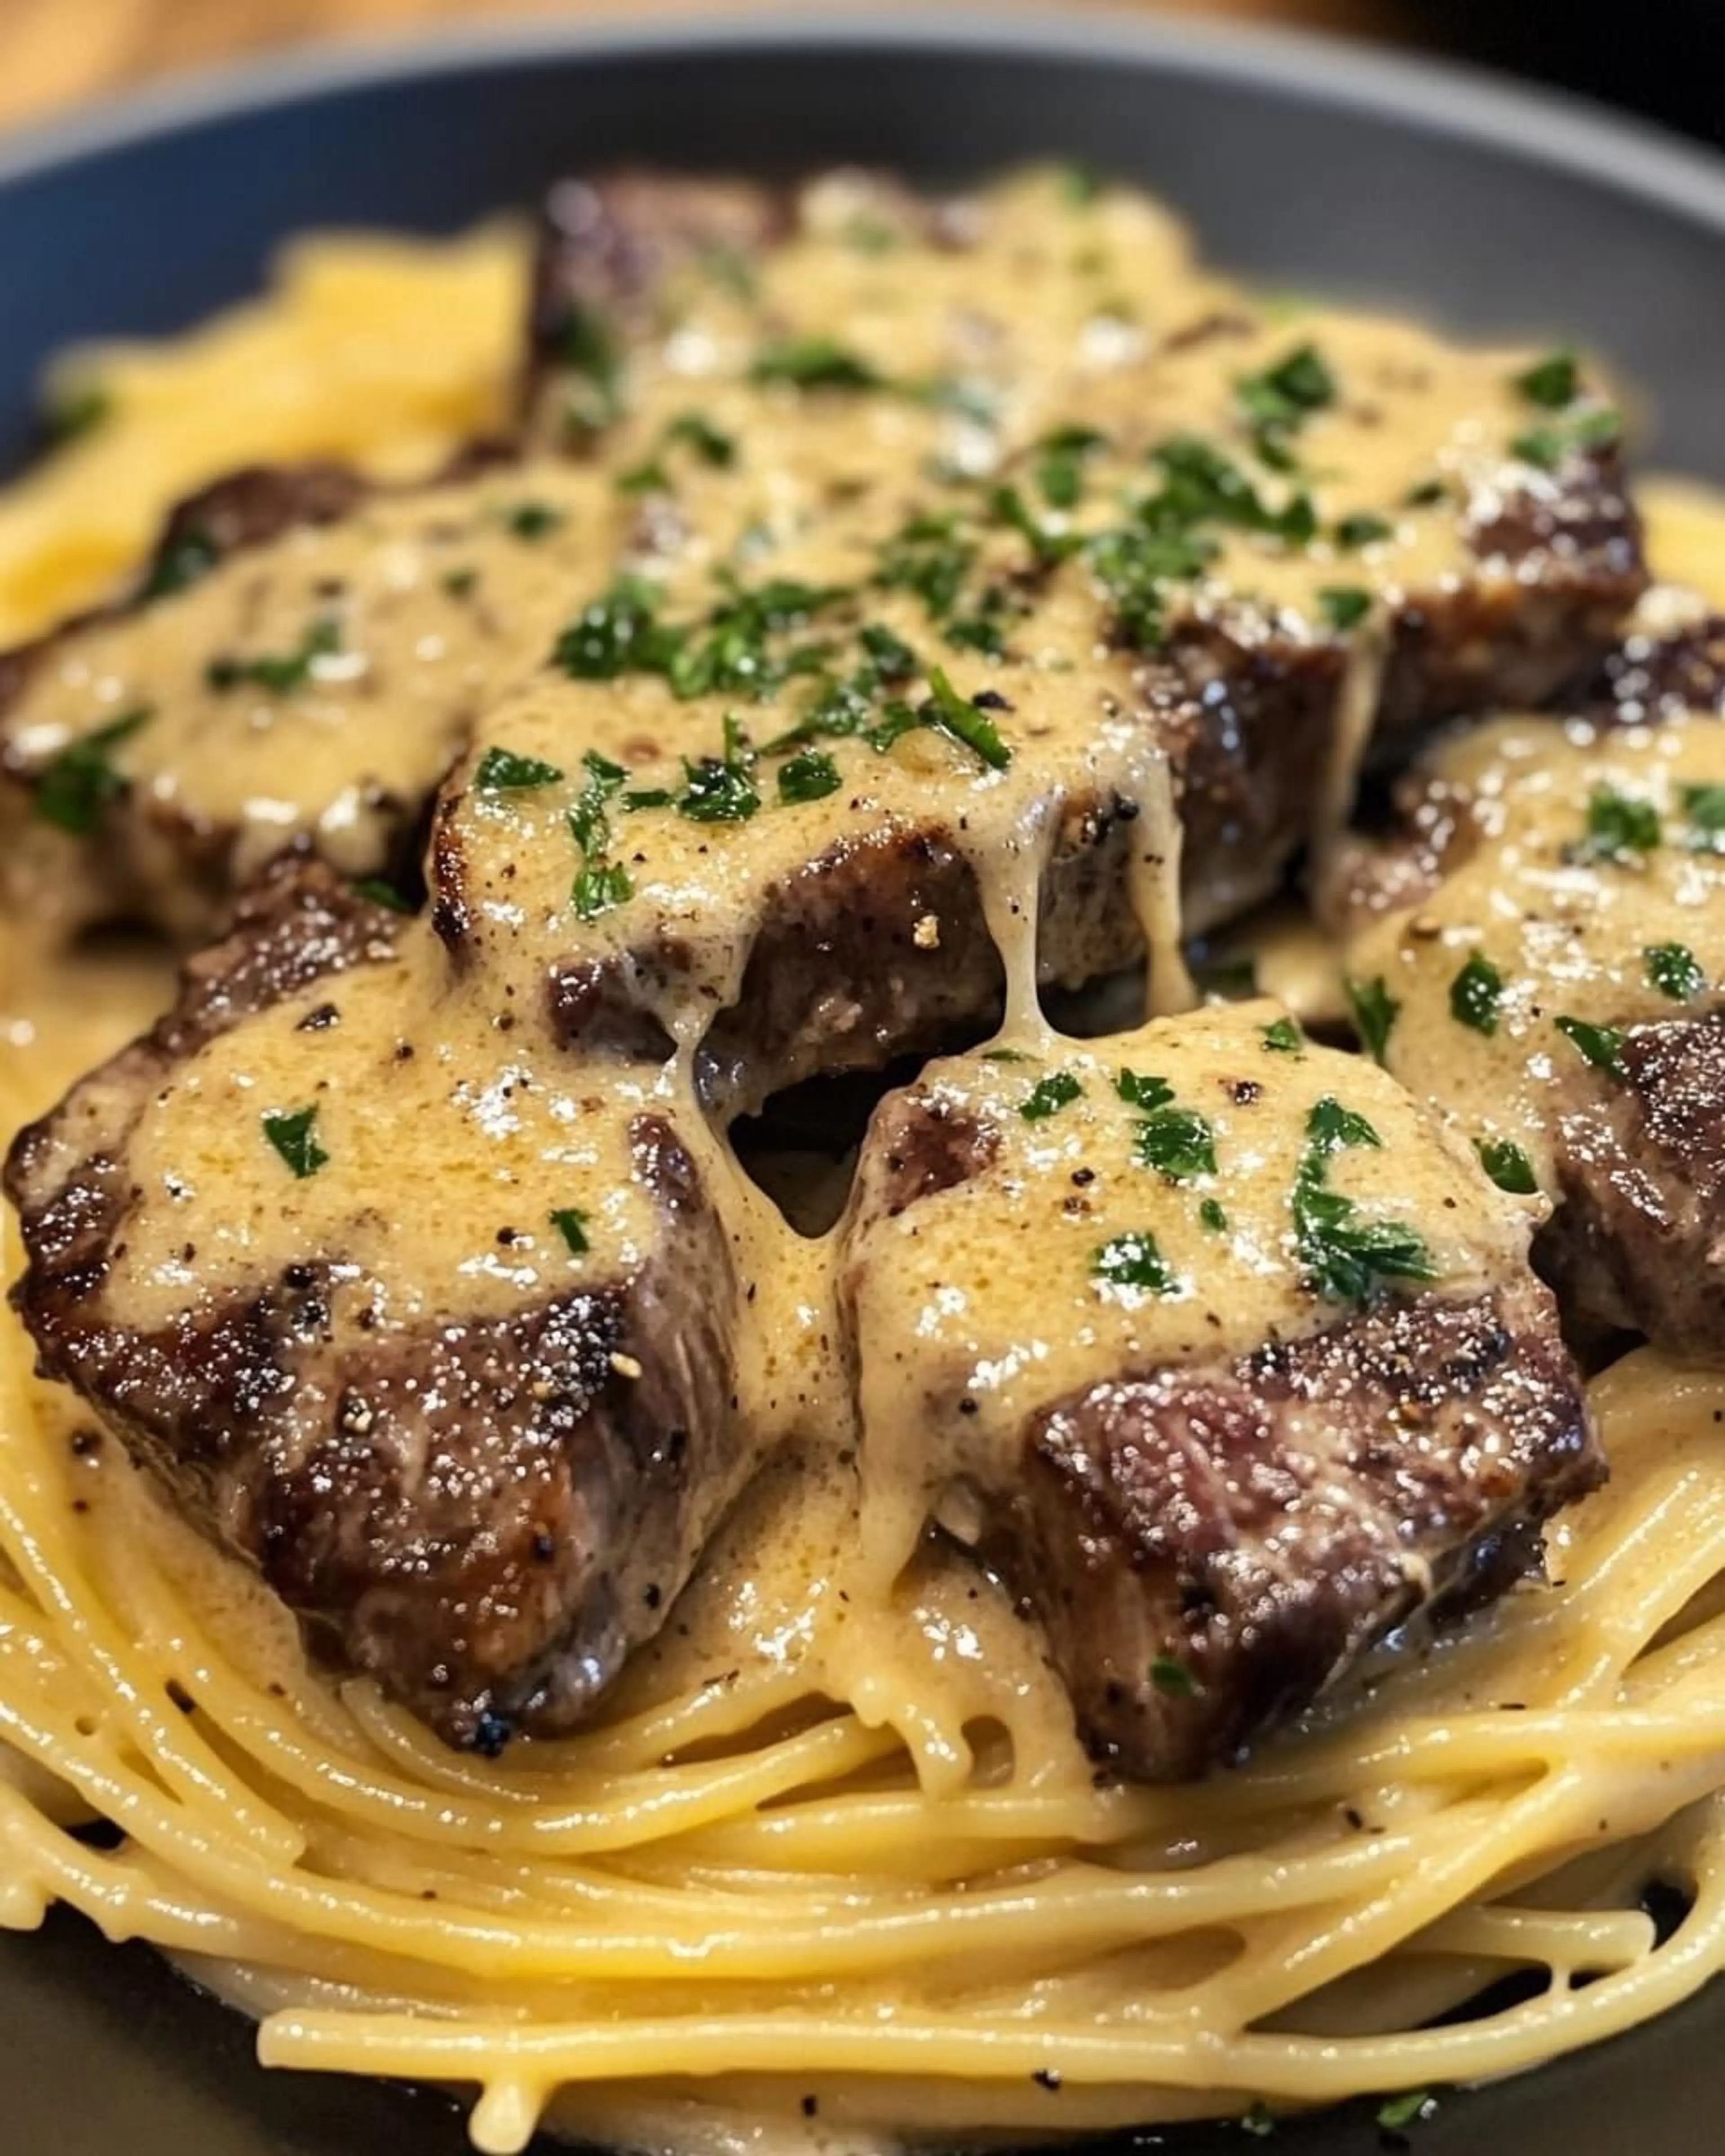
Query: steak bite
pixel 477 1440
pixel 306 656
pixel 1540 946
pixel 1218 1349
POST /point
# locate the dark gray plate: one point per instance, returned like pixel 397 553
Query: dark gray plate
pixel 1310 164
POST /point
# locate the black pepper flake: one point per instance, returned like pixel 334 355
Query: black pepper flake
pixel 491 1733
pixel 811 2106
pixel 86 1444
pixel 315 1021
pixel 1046 2077
pixel 650 1594
pixel 181 1697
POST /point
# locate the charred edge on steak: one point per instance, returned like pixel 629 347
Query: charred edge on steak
pixel 1638 1240
pixel 487 1516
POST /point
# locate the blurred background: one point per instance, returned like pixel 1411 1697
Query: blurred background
pixel 1656 60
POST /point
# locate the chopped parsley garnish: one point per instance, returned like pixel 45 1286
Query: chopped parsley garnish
pixel 1059 468
pixel 1049 1095
pixel 588 825
pixel 1201 485
pixel 950 713
pixel 1600 1046
pixel 1178 1143
pixel 1345 606
pixel 590 352
pixel 1427 495
pixel 1282 1037
pixel 1173 1678
pixel 1375 1012
pixel 1674 970
pixel 1347 1258
pixel 721 789
pixel 532 519
pixel 383 894
pixel 892 657
pixel 1475 995
pixel 1620 827
pixel 1550 382
pixel 501 771
pixel 614 633
pixel 1212 1216
pixel 598 887
pixel 599 884
pixel 815 363
pixel 1139 1091
pixel 1008 507
pixel 1399 2112
pixel 461 583
pixel 1134 564
pixel 1134 1260
pixel 74 786
pixel 1704 807
pixel 570 1223
pixel 293 1137
pixel 928 558
pixel 280 672
pixel 710 443
pixel 1279 401
pixel 810 775
pixel 1547 447
pixel 1362 529
pixel 1508 1167
pixel 181 562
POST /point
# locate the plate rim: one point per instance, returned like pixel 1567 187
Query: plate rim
pixel 1452 99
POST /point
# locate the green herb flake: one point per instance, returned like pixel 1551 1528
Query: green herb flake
pixel 615 633
pixel 1133 1261
pixel 1211 1216
pixel 810 775
pixel 1259 2121
pixel 1674 970
pixel 1508 1167
pixel 1546 447
pixel 598 886
pixel 1476 995
pixel 383 894
pixel 1398 2112
pixel 1059 469
pixel 1178 1143
pixel 950 713
pixel 590 351
pixel 501 771
pixel 815 362
pixel 184 561
pixel 74 786
pixel 1345 606
pixel 461 583
pixel 1600 1046
pixel 710 443
pixel 1346 1258
pixel 1427 495
pixel 293 1137
pixel 1550 382
pixel 1282 1037
pixel 1049 1095
pixel 1078 184
pixel 1363 529
pixel 280 672
pixel 1704 808
pixel 1140 1090
pixel 1375 1012
pixel 721 789
pixel 1278 402
pixel 1172 1678
pixel 570 1223
pixel 1201 485
pixel 1621 827
pixel 532 519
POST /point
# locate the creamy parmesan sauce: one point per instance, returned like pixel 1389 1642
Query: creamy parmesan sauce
pixel 1588 885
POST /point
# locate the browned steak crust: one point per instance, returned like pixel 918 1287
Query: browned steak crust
pixel 485 1515
pixel 1639 1238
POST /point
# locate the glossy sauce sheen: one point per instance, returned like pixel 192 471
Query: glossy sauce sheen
pixel 454 1127
pixel 1583 879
